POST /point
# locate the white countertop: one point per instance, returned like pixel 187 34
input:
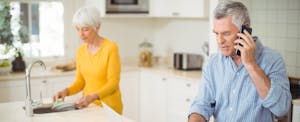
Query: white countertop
pixel 38 72
pixel 13 112
pixel 296 102
pixel 194 75
pixel 164 69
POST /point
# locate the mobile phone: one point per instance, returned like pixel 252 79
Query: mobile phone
pixel 244 27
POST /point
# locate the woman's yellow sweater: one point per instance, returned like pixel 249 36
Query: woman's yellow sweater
pixel 99 73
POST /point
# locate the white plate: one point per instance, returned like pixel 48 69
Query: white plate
pixel 64 107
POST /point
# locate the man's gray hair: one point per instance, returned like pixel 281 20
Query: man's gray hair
pixel 237 10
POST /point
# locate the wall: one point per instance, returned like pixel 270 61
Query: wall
pixel 277 23
pixel 128 33
pixel 180 35
pixel 71 38
pixel 167 35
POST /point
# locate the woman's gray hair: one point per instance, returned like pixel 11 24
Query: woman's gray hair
pixel 87 17
pixel 237 10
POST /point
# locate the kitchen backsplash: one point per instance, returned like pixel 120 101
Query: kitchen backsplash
pixel 168 35
pixel 277 23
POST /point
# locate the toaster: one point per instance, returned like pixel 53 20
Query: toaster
pixel 187 61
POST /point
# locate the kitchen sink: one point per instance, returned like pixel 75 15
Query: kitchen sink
pixel 48 108
pixel 42 110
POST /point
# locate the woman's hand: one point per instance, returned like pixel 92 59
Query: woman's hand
pixel 61 95
pixel 86 100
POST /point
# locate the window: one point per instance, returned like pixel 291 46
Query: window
pixel 44 23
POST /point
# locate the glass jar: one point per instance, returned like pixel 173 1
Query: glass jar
pixel 145 57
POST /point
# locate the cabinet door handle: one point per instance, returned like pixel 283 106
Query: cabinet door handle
pixel 175 13
pixel 188 85
pixel 44 81
pixel 164 79
pixel 187 99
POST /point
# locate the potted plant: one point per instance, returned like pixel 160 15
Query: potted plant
pixel 7 39
pixel 18 63
pixel 6 36
pixel 5 58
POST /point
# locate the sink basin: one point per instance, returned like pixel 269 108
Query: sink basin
pixel 45 108
pixel 42 110
pixel 48 108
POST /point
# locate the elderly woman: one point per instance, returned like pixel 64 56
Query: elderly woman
pixel 97 64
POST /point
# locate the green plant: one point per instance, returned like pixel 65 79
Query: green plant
pixel 5 63
pixel 8 45
pixel 6 36
pixel 7 51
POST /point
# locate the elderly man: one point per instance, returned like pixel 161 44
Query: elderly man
pixel 249 87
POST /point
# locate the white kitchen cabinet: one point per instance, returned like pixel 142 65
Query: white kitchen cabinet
pixel 129 84
pixel 14 90
pixel 296 113
pixel 152 97
pixel 165 98
pixel 180 94
pixel 179 8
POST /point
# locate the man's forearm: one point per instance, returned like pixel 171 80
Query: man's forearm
pixel 260 80
pixel 194 117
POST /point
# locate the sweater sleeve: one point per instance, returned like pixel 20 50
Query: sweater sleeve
pixel 113 73
pixel 79 83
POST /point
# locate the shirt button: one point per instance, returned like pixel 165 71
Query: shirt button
pixel 230 109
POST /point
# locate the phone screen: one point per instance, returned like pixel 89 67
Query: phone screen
pixel 244 27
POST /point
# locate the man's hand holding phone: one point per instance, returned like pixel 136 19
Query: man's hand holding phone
pixel 245 46
pixel 249 30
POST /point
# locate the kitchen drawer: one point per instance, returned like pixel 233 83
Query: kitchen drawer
pixel 174 117
pixel 296 113
pixel 179 104
pixel 180 95
pixel 16 91
pixel 180 86
pixel 179 109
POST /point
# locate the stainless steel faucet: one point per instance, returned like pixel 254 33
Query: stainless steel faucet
pixel 28 101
